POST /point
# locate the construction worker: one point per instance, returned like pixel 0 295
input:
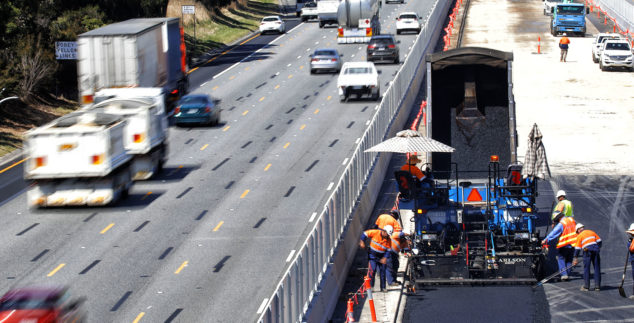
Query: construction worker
pixel 563 44
pixel 411 167
pixel 563 205
pixel 389 219
pixel 589 243
pixel 564 229
pixel 380 244
pixel 630 232
pixel 399 243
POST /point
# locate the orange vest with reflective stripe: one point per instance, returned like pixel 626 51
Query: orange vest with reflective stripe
pixel 569 236
pixel 386 219
pixel 378 243
pixel 586 238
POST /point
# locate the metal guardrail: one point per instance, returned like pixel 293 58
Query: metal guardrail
pixel 302 279
pixel 621 10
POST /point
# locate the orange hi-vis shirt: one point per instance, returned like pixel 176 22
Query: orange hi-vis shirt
pixel 569 236
pixel 386 219
pixel 564 40
pixel 414 170
pixel 378 243
pixel 586 238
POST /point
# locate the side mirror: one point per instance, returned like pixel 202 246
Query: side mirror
pixel 552 10
pixel 378 72
pixel 398 41
pixel 216 101
pixel 396 19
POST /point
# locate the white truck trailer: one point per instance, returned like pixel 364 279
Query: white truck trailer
pixel 78 159
pixel 143 52
pixel 145 134
pixel 358 21
pixel 327 12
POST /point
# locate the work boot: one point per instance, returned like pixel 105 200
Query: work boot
pixel 631 296
pixel 583 289
pixel 565 278
pixel 597 288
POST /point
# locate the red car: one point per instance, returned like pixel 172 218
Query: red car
pixel 40 305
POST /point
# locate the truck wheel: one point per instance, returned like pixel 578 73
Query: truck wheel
pixel 321 24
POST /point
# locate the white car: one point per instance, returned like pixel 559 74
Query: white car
pixel 597 44
pixel 549 5
pixel 309 11
pixel 272 23
pixel 616 53
pixel 358 78
pixel 408 21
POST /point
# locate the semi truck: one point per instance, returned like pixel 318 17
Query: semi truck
pixel 143 52
pixel 327 12
pixel 569 18
pixel 358 21
pixel 474 213
pixel 78 159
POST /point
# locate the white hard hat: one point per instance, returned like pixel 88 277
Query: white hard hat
pixel 631 229
pixel 389 229
pixel 578 226
pixel 565 34
pixel 560 193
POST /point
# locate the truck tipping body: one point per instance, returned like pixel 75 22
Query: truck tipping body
pixel 358 21
pixel 143 52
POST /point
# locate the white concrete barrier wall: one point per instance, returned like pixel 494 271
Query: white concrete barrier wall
pixel 309 288
pixel 621 10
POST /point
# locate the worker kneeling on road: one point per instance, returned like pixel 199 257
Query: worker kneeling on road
pixel 564 229
pixel 630 232
pixel 589 243
pixel 380 244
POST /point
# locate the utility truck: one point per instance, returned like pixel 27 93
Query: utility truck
pixel 569 18
pixel 143 52
pixel 77 159
pixel 474 213
pixel 327 12
pixel 145 134
pixel 358 21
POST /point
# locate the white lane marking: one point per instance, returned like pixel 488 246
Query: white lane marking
pixel 290 31
pixel 200 86
pixel 278 73
pixel 367 122
pixel 330 186
pixel 300 56
pixel 312 217
pixel 261 308
pixel 316 43
pixel 345 161
pixel 352 55
pixel 289 65
pixel 308 49
pixel 278 38
pixel 324 37
pixel 290 256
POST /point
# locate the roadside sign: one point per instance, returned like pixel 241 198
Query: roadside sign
pixel 188 10
pixel 65 50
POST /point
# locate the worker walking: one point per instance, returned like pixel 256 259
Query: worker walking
pixel 563 205
pixel 399 243
pixel 563 44
pixel 588 243
pixel 564 229
pixel 380 244
pixel 630 232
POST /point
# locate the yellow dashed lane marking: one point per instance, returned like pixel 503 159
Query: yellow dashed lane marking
pixel 328 98
pixel 290 76
pixel 55 270
pixel 261 99
pixel 267 167
pixel 247 68
pixel 302 127
pixel 107 228
pixel 277 86
pixel 226 128
pixel 301 67
pixel 215 87
pixel 232 77
pixel 138 317
pixel 244 194
pixel 180 268
pixel 286 145
pixel 316 111
pixel 245 112
pixel 203 147
pixel 218 226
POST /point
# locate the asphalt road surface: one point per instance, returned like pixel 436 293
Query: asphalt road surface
pixel 207 240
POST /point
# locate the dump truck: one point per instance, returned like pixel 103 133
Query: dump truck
pixel 145 134
pixel 78 159
pixel 568 17
pixel 143 52
pixel 358 21
pixel 474 213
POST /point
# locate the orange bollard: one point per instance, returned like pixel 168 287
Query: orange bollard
pixel 350 311
pixel 614 28
pixel 539 45
pixel 368 289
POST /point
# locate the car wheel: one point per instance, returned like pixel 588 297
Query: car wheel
pixel 398 32
pixel 396 60
pixel 312 71
pixel 321 24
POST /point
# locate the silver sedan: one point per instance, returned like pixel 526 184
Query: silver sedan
pixel 325 59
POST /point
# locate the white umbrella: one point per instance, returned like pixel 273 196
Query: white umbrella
pixel 409 141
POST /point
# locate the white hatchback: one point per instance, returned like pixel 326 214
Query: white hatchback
pixel 408 21
pixel 272 23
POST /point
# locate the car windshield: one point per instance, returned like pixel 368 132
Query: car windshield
pixel 270 19
pixel 604 38
pixel 357 70
pixel 617 46
pixel 310 5
pixel 324 53
pixel 575 10
pixel 408 16
pixel 194 100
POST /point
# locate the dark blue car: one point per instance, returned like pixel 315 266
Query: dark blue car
pixel 197 108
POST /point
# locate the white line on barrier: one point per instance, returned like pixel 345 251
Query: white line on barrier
pixel 345 161
pixel 357 141
pixel 289 65
pixel 290 256
pixel 300 56
pixel 368 122
pixel 330 186
pixel 261 308
pixel 312 217
pixel 308 49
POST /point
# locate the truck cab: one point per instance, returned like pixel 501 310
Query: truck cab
pixel 568 18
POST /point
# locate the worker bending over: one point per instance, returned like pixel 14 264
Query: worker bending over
pixel 380 244
pixel 589 243
pixel 564 229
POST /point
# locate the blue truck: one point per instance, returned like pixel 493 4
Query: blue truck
pixel 568 18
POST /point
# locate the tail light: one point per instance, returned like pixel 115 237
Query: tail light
pixel 314 60
pixel 137 137
pixel 177 110
pixel 340 32
pixel 368 32
pixel 391 46
pixel 85 99
pixel 334 60
pixel 372 46
pixel 175 91
pixel 97 159
pixel 207 109
pixel 40 161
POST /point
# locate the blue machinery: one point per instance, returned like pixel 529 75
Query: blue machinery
pixel 473 231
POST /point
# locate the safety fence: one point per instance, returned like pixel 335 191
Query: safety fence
pixel 362 292
pixel 619 13
pixel 309 287
pixel 449 28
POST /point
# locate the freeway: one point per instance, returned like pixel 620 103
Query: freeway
pixel 208 238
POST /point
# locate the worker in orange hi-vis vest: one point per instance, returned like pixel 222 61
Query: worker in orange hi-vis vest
pixel 389 219
pixel 630 244
pixel 564 42
pixel 564 229
pixel 411 167
pixel 589 243
pixel 380 244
